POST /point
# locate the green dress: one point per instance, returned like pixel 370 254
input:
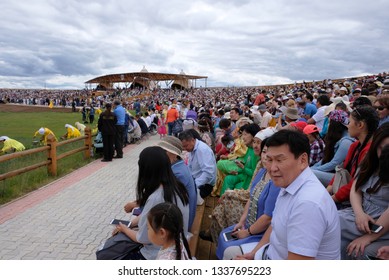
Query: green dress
pixel 243 178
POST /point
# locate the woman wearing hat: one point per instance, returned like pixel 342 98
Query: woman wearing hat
pixel 71 132
pixel 10 145
pixel 44 132
pixel 337 142
pixel 173 147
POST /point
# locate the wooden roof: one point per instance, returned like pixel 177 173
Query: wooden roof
pixel 130 77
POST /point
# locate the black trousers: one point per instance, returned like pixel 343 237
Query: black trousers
pixel 108 141
pixel 119 140
pixel 205 190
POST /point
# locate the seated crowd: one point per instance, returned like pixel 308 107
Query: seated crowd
pixel 299 175
pixel 300 171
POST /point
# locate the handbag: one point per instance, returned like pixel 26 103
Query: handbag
pixel 117 247
pixel 341 178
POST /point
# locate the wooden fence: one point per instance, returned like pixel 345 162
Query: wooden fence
pixel 52 156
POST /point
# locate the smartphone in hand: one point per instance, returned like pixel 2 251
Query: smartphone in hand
pixel 228 235
pixel 375 228
pixel 117 221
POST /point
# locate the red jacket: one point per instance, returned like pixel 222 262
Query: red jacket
pixel 343 193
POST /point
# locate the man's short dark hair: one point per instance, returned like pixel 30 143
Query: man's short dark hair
pixel 237 110
pixel 186 135
pixel 309 96
pixel 224 123
pixel 297 141
pixel 324 100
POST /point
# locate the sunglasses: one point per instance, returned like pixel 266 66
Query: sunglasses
pixel 379 108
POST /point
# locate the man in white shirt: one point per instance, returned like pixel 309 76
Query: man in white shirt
pixel 305 222
pixel 318 119
pixel 265 116
pixel 201 162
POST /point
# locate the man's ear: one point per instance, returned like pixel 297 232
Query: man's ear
pixel 304 160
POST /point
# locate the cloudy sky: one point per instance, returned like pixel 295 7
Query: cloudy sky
pixel 62 44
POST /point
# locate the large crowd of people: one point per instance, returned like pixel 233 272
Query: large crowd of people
pixel 301 170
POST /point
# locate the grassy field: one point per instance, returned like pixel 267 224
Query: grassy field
pixel 22 126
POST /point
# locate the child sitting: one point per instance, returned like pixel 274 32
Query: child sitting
pixel 165 228
pixel 317 144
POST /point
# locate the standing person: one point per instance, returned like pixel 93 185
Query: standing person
pixel 156 184
pixel 305 223
pixel 83 112
pixel 106 125
pixel 137 106
pixel 91 114
pixel 10 145
pixel 201 162
pixel 127 119
pixel 369 199
pixel 120 114
pixel 161 127
pixel 165 228
pixel 171 116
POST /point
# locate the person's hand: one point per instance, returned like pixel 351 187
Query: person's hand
pixel 121 227
pixel 239 164
pixel 129 206
pixel 223 156
pixel 241 234
pixel 357 247
pixel 233 172
pixel 247 256
pixel 238 226
pixel 115 231
pixel 329 189
pixel 362 222
pixel 383 253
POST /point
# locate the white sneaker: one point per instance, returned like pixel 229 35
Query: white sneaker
pixel 200 200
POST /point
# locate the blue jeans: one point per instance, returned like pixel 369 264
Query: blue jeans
pixel 170 128
pixel 324 177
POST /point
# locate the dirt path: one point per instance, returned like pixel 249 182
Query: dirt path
pixel 31 108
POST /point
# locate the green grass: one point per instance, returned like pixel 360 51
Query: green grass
pixel 22 126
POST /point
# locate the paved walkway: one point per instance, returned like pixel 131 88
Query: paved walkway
pixel 69 218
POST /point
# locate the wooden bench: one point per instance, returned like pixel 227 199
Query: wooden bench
pixel 195 230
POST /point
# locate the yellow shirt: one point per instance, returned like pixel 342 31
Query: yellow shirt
pixel 10 144
pixel 45 135
pixel 240 149
pixel 73 132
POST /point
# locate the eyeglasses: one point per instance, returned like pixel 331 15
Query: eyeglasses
pixel 379 108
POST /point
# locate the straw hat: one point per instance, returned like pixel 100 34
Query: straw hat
pixel 171 144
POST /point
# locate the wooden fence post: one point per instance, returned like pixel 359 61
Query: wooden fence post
pixel 88 142
pixel 52 155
